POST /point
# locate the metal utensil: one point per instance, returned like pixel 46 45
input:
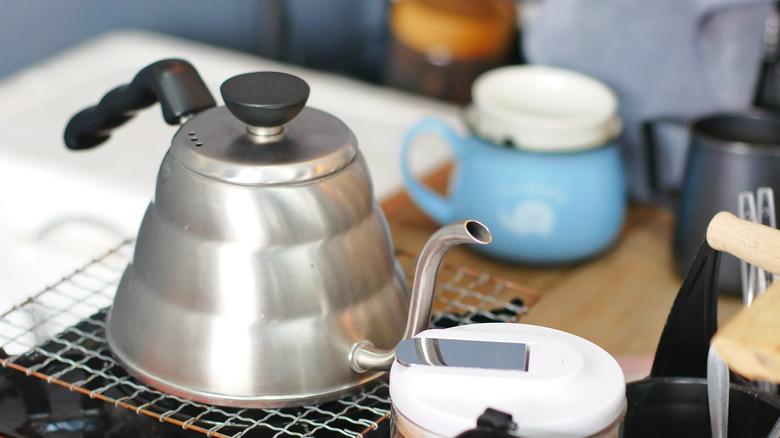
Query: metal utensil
pixel 775 432
pixel 757 209
pixel 718 384
pixel 748 272
pixel 766 215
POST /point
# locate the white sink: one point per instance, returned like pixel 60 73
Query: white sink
pixel 60 208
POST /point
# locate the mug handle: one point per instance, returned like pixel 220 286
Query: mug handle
pixel 433 204
pixel 652 154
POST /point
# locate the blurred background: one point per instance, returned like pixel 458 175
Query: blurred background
pixel 601 136
pixel 683 58
pixel 677 59
pixel 346 36
pixel 664 59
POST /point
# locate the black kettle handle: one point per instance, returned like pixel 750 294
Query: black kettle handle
pixel 173 82
pixel 685 340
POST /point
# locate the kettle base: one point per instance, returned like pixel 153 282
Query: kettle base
pixel 249 402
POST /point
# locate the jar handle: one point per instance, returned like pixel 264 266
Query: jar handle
pixel 433 204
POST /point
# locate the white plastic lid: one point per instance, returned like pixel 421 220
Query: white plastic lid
pixel 572 388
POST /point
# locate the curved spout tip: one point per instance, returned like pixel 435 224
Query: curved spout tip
pixel 478 231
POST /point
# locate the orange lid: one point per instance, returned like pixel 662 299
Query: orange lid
pixel 462 29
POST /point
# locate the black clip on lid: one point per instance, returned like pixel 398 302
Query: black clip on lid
pixel 492 424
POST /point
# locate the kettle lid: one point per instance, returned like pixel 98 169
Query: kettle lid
pixel 264 134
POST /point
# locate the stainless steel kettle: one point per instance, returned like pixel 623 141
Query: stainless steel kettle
pixel 264 273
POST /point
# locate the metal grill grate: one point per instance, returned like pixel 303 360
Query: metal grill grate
pixel 57 335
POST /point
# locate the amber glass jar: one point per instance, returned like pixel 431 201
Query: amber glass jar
pixel 439 47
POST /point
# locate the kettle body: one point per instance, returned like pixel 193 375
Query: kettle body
pixel 240 312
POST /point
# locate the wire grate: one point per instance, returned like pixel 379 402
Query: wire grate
pixel 57 335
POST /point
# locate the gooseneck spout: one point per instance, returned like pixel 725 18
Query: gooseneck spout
pixel 364 356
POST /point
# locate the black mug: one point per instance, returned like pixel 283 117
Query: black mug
pixel 729 153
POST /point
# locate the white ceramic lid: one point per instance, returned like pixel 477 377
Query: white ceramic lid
pixel 572 388
pixel 543 108
pixel 538 139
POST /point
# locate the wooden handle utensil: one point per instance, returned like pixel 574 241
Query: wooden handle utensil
pixel 750 342
pixel 755 243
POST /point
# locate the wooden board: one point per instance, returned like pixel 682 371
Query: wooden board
pixel 618 300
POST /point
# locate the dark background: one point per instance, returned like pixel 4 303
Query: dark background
pixel 336 35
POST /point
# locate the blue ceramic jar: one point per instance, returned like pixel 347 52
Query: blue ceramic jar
pixel 542 207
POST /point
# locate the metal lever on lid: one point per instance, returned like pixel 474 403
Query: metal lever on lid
pixel 173 82
pixel 463 353
pixel 364 356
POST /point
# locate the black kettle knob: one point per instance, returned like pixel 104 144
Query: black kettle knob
pixel 265 99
